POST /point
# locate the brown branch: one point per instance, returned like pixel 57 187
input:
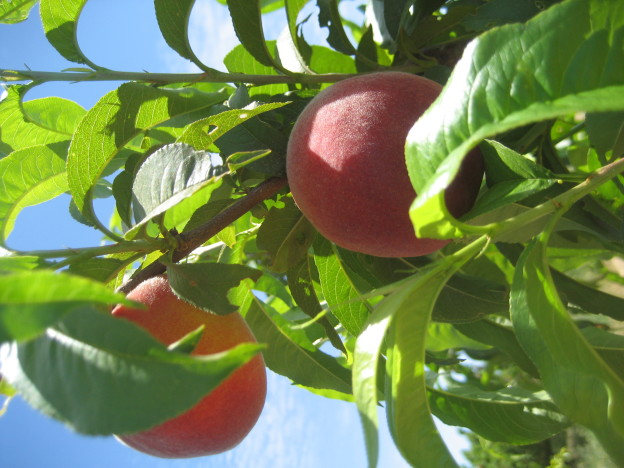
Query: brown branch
pixel 196 237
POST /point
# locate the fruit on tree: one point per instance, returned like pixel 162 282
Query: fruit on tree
pixel 346 164
pixel 225 416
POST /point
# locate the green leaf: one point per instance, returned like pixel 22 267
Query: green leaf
pixel 407 311
pixel 206 285
pixel 466 298
pixel 338 289
pixel 589 299
pixel 102 269
pixel 15 11
pixel 329 17
pixel 30 301
pixel 104 375
pixel 511 415
pixel 173 18
pixel 167 177
pixel 60 23
pixel 604 130
pixel 562 61
pixel 203 133
pixel 291 353
pixel 55 113
pixel 511 177
pixel 115 119
pixel 30 176
pixel 18 130
pixel 286 234
pixel 501 337
pixel 579 381
pixel 499 12
pixel 10 262
pixel 324 60
pixel 239 60
pixel 409 416
pixel 247 21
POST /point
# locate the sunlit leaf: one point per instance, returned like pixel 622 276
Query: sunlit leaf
pixel 510 77
pixel 338 289
pixel 247 21
pixel 15 11
pixel 115 119
pixel 30 176
pixel 60 23
pixel 18 131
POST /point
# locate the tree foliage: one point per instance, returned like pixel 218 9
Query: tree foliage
pixel 513 331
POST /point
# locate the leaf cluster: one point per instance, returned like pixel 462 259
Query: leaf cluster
pixel 512 331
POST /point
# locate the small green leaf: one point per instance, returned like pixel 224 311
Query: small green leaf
pixel 102 269
pixel 104 375
pixel 511 177
pixel 206 285
pixel 286 234
pixel 10 262
pixel 15 11
pixel 338 289
pixel 203 133
pixel 30 176
pixel 188 342
pixel 55 113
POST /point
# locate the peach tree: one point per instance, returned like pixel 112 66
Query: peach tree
pixel 512 330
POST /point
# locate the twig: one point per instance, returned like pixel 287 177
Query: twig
pixel 164 78
pixel 196 237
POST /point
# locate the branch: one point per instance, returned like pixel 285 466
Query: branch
pixel 164 78
pixel 196 237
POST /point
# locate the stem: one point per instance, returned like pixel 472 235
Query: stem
pixel 193 239
pixel 212 76
pixel 82 252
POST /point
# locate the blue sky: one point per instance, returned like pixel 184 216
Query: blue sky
pixel 297 428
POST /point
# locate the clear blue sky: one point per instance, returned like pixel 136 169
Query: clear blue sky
pixel 297 428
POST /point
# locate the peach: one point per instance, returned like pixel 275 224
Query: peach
pixel 346 164
pixel 225 416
